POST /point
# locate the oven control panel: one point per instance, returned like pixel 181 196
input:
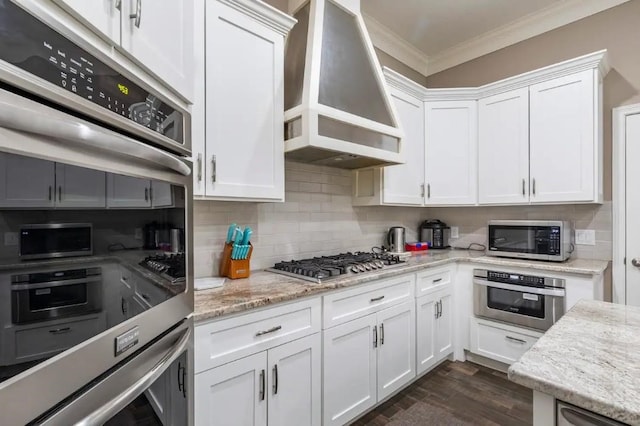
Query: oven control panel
pixel 519 279
pixel 31 45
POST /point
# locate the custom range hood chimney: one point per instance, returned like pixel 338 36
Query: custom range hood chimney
pixel 338 111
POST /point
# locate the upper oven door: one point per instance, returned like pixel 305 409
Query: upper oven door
pixel 59 169
pixel 42 56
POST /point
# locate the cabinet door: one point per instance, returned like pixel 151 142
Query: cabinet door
pixel 178 388
pixel 349 370
pixel 451 152
pixel 125 191
pixel 198 122
pixel 102 15
pixel 294 394
pixel 158 396
pixel 161 194
pixel 404 183
pixel 162 39
pixel 397 348
pixel 444 325
pixel 233 394
pixel 563 139
pixel 503 132
pixel 79 187
pixel 26 182
pixel 245 104
pixel 426 332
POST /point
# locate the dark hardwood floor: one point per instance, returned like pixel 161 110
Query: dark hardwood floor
pixel 453 394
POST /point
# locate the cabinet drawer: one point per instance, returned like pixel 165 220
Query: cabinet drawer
pixel 433 280
pixel 500 342
pixel 150 293
pixel 40 342
pixel 222 341
pixel 354 303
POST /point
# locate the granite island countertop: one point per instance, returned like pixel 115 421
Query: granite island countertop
pixel 264 288
pixel 589 358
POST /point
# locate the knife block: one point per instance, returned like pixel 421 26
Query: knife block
pixel 235 268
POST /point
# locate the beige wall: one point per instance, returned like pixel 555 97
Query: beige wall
pixel 616 29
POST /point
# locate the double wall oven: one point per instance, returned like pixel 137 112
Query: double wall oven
pixel 90 155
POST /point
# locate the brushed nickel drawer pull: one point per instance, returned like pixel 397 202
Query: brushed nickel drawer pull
pixel 271 330
pixel 377 299
pixel 60 330
pixel 437 280
pixel 375 336
pixel 513 339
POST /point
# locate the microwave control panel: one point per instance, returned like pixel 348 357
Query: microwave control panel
pixel 31 45
pixel 519 279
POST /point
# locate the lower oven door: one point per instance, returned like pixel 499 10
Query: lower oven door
pixel 152 387
pixel 531 307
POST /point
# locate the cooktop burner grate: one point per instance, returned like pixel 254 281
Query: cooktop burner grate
pixel 320 269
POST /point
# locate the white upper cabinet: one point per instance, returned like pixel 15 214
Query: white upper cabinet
pixel 160 36
pixel 26 182
pixel 242 156
pixel 102 15
pixel 128 192
pixel 404 184
pixel 79 187
pixel 503 137
pixel 451 152
pixel 565 139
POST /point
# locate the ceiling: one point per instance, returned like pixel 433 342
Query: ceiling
pixel 433 26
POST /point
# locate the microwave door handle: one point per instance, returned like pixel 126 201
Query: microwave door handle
pixel 113 407
pixel 525 289
pixel 48 284
pixel 18 114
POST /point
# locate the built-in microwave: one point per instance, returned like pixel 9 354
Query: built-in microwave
pixel 550 240
pixel 51 240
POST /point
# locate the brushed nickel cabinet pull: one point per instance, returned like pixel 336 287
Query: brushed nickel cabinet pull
pixel 534 186
pixel 523 194
pixel 146 194
pixel 49 192
pixel 214 172
pixel 513 339
pixel 437 280
pixel 422 190
pixel 199 167
pixel 271 330
pixel 60 330
pixel 428 190
pixel 60 193
pixel 377 299
pixel 381 334
pixel 137 16
pixel 275 379
pixel 262 385
pixel 375 336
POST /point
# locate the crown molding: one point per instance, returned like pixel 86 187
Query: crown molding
pixel 264 13
pixel 398 81
pixel 534 24
pixel 394 45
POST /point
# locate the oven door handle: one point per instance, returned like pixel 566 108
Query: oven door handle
pixel 59 283
pixel 18 114
pixel 525 289
pixel 113 407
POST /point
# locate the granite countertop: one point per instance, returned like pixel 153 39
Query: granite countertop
pixel 264 288
pixel 589 358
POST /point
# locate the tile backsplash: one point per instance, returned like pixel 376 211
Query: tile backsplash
pixel 318 218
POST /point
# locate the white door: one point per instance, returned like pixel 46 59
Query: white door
pixel 125 191
pixel 563 145
pixel 244 107
pixel 158 396
pixel 444 325
pixel 503 137
pixel 162 39
pixel 233 394
pixel 198 123
pixel 294 391
pixel 101 15
pixel 161 194
pixel 26 182
pixel 79 187
pixel 426 332
pixel 451 152
pixel 632 252
pixel 404 183
pixel 349 370
pixel 396 348
pixel 178 392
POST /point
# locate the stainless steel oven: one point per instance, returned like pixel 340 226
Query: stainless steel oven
pixel 40 296
pixel 88 333
pixel 535 302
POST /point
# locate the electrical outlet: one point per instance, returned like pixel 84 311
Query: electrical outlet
pixel 455 232
pixel 138 234
pixel 586 237
pixel 10 238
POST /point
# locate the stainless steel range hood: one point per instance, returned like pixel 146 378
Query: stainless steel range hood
pixel 338 111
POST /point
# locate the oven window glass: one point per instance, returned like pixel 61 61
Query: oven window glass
pixel 519 239
pixel 130 259
pixel 517 302
pixel 55 297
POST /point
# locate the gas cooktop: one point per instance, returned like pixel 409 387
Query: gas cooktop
pixel 321 269
pixel 169 266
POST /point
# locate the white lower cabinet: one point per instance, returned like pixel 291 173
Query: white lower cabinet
pixel 434 329
pixel 286 379
pixel 501 342
pixel 366 360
